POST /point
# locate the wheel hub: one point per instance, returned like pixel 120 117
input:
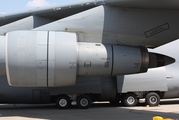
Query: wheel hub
pixel 84 102
pixel 153 99
pixel 63 102
pixel 130 100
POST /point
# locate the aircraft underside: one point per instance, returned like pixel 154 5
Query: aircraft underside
pixel 52 47
pixel 102 41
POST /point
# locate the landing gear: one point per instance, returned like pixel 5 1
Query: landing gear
pixel 152 99
pixel 83 101
pixel 63 102
pixel 130 99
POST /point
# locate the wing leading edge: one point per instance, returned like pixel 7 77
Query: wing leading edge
pixel 53 12
pixel 64 10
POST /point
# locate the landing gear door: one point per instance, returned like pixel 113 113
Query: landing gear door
pixel 149 81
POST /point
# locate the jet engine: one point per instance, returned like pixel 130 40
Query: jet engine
pixel 53 59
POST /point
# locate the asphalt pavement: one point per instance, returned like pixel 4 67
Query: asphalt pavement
pixel 98 111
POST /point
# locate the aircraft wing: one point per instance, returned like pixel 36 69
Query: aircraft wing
pixel 144 4
pixel 64 10
pixel 54 11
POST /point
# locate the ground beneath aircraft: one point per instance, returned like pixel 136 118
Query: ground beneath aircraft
pixel 98 111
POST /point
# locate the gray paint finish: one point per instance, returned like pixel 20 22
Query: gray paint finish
pixel 27 23
pixel 9 94
pixel 76 7
pixel 123 23
pixel 122 26
pixel 153 80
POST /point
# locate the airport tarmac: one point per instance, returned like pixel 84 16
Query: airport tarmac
pixel 98 111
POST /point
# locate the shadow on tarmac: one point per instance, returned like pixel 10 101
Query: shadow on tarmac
pixel 98 111
pixel 169 102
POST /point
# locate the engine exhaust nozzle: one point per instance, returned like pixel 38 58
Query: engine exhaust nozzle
pixel 159 60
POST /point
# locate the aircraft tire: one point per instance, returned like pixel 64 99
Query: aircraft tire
pixel 84 102
pixel 63 102
pixel 130 99
pixel 152 99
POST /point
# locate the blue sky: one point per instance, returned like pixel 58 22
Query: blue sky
pixel 8 6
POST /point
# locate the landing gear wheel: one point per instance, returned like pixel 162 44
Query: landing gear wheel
pixel 152 99
pixel 63 102
pixel 130 99
pixel 84 102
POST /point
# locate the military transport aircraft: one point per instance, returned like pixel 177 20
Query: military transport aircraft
pixel 52 46
pixel 157 83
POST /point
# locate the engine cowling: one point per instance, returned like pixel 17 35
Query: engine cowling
pixel 96 59
pixel 53 59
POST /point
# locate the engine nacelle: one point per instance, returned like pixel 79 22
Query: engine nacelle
pixel 96 59
pixel 41 59
pixel 53 59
